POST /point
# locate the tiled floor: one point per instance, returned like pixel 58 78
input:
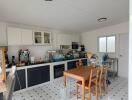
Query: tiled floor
pixel 55 91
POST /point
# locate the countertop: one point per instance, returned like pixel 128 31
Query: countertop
pixel 44 64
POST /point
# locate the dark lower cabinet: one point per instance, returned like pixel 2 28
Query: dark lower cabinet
pixel 58 70
pixel 45 74
pixel 38 75
pixel 84 61
pixel 20 82
pixel 71 64
pixel 1 96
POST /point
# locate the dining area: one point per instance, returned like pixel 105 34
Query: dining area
pixel 92 80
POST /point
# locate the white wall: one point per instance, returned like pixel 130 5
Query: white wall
pixel 89 39
pixel 3 36
pixel 130 54
pixel 35 51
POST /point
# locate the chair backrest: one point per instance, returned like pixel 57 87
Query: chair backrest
pixel 79 64
pixel 94 74
pixel 10 83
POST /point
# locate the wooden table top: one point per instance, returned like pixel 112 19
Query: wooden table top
pixel 79 73
pixel 2 87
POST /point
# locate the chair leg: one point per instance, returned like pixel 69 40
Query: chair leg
pixel 77 91
pixel 104 87
pixel 89 95
pixel 100 88
pixel 96 92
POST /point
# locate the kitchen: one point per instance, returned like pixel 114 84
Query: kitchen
pixel 29 54
pixel 42 52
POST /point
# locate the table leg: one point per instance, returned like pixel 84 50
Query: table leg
pixel 65 80
pixel 83 90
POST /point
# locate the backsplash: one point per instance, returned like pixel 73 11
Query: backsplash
pixel 35 51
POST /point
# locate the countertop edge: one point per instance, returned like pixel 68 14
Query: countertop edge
pixel 44 64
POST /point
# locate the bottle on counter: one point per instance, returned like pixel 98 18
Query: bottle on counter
pixel 13 60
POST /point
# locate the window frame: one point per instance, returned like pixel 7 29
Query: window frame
pixel 106 43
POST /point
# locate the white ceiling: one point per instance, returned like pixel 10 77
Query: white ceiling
pixel 66 15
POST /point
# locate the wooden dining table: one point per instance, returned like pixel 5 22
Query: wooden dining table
pixel 80 74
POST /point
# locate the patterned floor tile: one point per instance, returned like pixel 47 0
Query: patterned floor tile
pixel 54 90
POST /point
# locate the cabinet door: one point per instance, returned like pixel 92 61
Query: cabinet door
pixel 27 38
pixel 14 36
pixel 75 38
pixel 84 61
pixel 45 74
pixel 38 75
pixel 20 80
pixel 68 38
pixel 1 96
pixel 59 39
pixel 34 76
pixel 47 37
pixel 71 64
pixel 3 35
pixel 38 37
pixel 58 70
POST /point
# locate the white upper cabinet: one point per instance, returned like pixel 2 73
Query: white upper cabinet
pixel 3 35
pixel 14 36
pixel 38 37
pixel 66 39
pixel 47 37
pixel 26 37
pixel 76 38
pixel 18 36
pixel 62 39
pixel 42 38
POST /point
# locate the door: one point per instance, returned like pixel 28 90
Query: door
pixel 123 55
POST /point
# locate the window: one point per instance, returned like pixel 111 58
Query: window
pixel 106 44
pixel 102 44
pixel 111 44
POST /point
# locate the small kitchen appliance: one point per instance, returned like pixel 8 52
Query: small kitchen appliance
pixel 24 56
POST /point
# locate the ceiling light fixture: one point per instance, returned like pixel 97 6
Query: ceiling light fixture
pixel 48 0
pixel 102 19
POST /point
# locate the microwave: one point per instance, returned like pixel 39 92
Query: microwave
pixel 75 45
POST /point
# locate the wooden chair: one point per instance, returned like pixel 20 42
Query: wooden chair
pixel 79 64
pixel 10 83
pixel 91 83
pixel 2 64
pixel 102 80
